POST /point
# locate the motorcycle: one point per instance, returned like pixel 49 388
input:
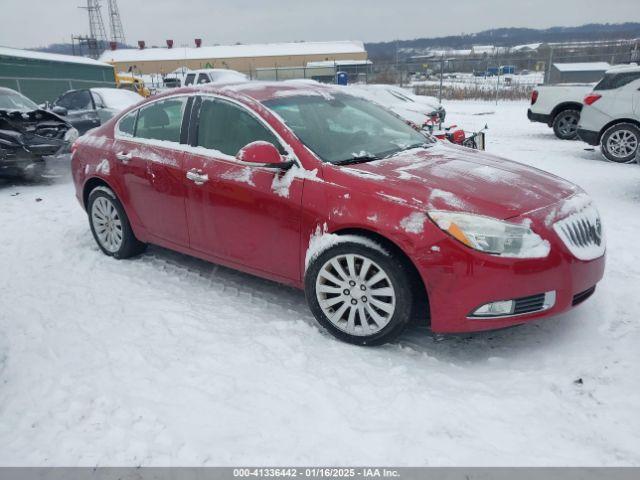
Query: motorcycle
pixel 455 134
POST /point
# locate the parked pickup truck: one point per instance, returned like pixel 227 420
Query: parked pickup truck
pixel 559 106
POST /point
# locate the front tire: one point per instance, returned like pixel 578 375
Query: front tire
pixel 619 143
pixel 360 294
pixel 565 124
pixel 110 226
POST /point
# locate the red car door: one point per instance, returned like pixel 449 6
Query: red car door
pixel 233 210
pixel 153 171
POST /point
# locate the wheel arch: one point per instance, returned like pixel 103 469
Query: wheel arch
pixel 89 185
pixel 564 106
pixel 421 307
pixel 616 122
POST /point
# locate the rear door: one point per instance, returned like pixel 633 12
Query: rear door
pixel 244 214
pixel 151 160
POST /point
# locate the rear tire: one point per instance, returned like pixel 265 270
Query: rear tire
pixel 619 143
pixel 565 124
pixel 110 226
pixel 360 294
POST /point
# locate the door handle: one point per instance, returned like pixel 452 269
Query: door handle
pixel 123 157
pixel 197 177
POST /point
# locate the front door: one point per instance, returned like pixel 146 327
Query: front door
pixel 151 159
pixel 244 214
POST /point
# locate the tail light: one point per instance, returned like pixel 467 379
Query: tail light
pixel 591 98
pixel 534 97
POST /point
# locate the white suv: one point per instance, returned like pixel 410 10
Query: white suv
pixel 611 114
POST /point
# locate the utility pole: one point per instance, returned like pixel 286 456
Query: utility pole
pixel 441 75
pixel 548 79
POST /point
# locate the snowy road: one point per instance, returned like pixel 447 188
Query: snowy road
pixel 167 360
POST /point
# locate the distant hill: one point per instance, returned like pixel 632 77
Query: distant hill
pixel 506 37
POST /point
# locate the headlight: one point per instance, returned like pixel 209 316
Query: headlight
pixel 71 135
pixel 490 235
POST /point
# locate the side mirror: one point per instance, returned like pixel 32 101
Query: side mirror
pixel 263 154
pixel 60 111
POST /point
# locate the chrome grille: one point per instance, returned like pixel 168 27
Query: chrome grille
pixel 582 233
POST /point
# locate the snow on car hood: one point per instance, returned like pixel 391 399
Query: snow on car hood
pixel 448 177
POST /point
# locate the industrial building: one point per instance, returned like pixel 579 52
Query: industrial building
pixel 577 72
pixel 244 58
pixel 44 76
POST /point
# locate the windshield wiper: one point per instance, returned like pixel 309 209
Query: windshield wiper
pixel 358 159
pixel 415 145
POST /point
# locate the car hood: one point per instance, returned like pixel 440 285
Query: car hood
pixel 448 177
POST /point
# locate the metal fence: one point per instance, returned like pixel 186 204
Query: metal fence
pixel 496 77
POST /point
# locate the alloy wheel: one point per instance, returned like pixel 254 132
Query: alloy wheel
pixel 622 143
pixel 568 125
pixel 355 294
pixel 107 224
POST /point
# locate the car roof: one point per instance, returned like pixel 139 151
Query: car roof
pixel 259 91
pixel 630 68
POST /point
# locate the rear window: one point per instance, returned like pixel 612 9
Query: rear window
pixel 611 81
pixel 161 120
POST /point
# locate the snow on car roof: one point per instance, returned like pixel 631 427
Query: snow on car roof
pixel 582 67
pixel 51 57
pixel 262 91
pixel 632 67
pixel 232 51
pixel 118 98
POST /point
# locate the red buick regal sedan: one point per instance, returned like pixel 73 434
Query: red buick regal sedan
pixel 306 185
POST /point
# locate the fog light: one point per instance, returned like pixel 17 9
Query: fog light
pixel 503 307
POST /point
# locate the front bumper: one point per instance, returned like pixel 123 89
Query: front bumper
pixel 589 136
pixel 459 280
pixel 19 163
pixel 538 117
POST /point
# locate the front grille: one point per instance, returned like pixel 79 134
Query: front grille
pixel 582 233
pixel 529 304
pixel 578 298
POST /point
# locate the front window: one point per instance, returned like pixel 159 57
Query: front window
pixel 344 128
pixel 10 100
pixel 224 127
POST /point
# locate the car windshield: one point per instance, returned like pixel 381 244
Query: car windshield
pixel 343 128
pixel 10 100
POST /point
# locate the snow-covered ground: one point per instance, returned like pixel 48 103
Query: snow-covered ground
pixel 168 360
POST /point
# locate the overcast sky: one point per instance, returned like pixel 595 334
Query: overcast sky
pixel 32 23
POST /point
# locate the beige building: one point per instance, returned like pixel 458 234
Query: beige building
pixel 243 58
